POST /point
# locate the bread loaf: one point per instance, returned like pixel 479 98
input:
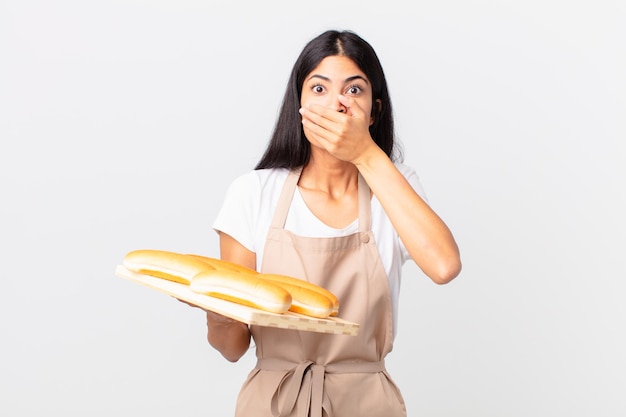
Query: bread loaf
pixel 246 289
pixel 168 265
pixel 308 298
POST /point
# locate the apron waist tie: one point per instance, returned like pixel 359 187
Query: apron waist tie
pixel 308 377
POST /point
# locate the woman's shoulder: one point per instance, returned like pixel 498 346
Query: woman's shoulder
pixel 259 180
pixel 269 175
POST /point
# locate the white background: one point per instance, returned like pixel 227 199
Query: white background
pixel 123 122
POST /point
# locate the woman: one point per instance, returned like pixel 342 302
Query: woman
pixel 330 202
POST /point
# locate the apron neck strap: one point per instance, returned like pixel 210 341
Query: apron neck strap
pixel 289 188
pixel 286 196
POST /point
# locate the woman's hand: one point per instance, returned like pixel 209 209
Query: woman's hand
pixel 230 337
pixel 344 134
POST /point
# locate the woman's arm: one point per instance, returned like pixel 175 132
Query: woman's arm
pixel 426 237
pixel 230 337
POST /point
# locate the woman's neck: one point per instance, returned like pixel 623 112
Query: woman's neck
pixel 330 176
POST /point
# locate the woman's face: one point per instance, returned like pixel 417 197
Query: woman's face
pixel 334 76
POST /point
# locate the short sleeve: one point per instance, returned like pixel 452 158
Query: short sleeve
pixel 237 214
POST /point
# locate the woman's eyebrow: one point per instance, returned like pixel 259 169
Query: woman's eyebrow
pixel 318 76
pixel 357 77
pixel 347 80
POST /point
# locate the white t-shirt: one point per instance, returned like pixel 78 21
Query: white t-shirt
pixel 251 199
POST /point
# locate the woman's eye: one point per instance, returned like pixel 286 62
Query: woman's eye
pixel 355 89
pixel 318 89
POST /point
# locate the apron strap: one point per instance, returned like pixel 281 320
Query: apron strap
pixel 307 378
pixel 284 201
pixel 289 188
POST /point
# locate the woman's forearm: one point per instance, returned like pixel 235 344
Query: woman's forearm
pixel 230 337
pixel 426 237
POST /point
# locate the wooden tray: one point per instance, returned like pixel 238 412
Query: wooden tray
pixel 245 314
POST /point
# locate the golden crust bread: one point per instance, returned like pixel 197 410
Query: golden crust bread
pixel 164 264
pixel 307 298
pixel 242 288
pixel 307 293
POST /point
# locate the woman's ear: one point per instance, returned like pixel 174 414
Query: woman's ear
pixel 377 108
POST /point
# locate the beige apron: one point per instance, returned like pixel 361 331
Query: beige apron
pixel 302 374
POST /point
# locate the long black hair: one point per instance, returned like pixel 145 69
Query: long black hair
pixel 288 147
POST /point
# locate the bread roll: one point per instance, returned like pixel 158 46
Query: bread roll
pixel 307 298
pixel 301 292
pixel 168 265
pixel 246 289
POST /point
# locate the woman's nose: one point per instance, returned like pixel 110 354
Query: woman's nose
pixel 331 101
pixel 339 106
